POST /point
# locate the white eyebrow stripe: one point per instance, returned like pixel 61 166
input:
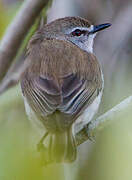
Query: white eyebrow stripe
pixel 81 28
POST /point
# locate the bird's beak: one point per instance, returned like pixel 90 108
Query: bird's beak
pixel 99 27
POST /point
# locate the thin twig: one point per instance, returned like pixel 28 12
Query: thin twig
pixel 94 127
pixel 16 32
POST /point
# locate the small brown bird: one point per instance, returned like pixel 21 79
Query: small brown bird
pixel 62 86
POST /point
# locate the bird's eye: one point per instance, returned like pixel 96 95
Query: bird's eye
pixel 77 32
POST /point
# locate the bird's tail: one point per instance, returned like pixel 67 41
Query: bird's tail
pixel 61 146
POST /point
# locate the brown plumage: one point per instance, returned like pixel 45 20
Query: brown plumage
pixel 54 78
pixel 56 71
pixel 61 81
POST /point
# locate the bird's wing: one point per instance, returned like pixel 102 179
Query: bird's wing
pixel 69 87
pixel 45 97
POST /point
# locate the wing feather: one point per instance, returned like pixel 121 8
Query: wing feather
pixel 71 99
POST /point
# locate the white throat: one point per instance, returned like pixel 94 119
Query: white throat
pixel 88 45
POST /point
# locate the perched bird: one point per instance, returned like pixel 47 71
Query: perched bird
pixel 62 85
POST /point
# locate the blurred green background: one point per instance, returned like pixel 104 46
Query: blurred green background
pixel 110 157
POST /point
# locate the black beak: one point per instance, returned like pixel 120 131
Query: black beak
pixel 99 27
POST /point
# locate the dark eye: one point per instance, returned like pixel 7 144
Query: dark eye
pixel 77 32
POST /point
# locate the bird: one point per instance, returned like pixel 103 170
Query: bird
pixel 63 83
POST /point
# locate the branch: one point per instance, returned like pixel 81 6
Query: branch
pixel 91 130
pixel 13 78
pixel 16 32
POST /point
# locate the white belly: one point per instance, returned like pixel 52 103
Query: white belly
pixel 88 114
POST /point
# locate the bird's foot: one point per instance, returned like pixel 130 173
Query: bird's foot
pixel 88 132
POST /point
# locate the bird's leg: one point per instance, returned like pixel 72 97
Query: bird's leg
pixel 44 151
pixel 40 145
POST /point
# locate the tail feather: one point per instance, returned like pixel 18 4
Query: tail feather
pixel 62 146
pixel 71 147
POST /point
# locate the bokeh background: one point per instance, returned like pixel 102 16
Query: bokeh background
pixel 110 157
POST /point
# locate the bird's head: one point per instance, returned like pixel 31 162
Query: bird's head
pixel 77 30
